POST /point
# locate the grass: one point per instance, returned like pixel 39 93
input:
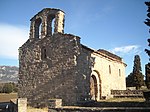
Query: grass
pixel 6 97
pixel 125 100
pixel 31 109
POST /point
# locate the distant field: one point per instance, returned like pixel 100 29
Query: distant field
pixel 6 97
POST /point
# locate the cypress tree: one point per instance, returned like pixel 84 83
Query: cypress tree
pixel 136 78
pixel 147 66
pixel 137 73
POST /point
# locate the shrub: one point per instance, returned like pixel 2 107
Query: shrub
pixel 8 88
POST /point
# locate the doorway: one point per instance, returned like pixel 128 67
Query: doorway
pixel 95 86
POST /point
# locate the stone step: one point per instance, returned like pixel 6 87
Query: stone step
pixel 116 104
pixel 100 109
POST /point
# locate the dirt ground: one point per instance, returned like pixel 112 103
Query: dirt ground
pixel 6 97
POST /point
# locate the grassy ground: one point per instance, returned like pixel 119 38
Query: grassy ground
pixel 30 109
pixel 6 97
pixel 125 100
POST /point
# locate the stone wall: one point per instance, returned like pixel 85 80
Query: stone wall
pixel 44 19
pixel 127 93
pixel 55 103
pixel 52 77
pixel 22 105
pixel 111 73
pixel 17 105
pixel 84 70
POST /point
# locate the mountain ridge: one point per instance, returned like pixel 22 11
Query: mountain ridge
pixel 8 74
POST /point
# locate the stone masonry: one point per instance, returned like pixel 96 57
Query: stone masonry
pixel 54 65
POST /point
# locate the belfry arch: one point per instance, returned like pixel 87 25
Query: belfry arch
pixel 41 23
pixel 38 28
pixel 95 86
pixel 50 24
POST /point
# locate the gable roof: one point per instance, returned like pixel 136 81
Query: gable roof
pixel 104 53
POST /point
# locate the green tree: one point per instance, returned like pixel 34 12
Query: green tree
pixel 129 80
pixel 147 73
pixel 15 87
pixel 147 66
pixel 8 88
pixel 1 87
pixel 136 78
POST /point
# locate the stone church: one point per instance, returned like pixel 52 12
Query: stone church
pixel 55 65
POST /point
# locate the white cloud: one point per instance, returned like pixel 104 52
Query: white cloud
pixel 127 49
pixel 11 38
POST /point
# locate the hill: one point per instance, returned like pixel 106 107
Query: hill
pixel 8 74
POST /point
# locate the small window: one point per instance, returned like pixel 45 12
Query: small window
pixel 109 69
pixel 119 72
pixel 43 53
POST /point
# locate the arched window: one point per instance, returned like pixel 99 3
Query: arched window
pixel 109 69
pixel 51 24
pixel 43 53
pixel 38 28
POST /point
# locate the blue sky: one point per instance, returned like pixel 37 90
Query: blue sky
pixel 114 25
